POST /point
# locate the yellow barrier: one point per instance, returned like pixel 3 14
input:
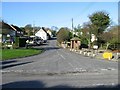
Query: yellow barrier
pixel 107 55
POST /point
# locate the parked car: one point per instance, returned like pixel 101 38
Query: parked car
pixel 38 40
pixel 34 40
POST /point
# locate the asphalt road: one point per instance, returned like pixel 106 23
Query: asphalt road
pixel 57 68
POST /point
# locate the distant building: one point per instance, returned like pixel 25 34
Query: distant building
pixel 42 34
pixel 93 38
pixel 49 32
pixel 75 33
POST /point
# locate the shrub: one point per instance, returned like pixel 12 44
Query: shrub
pixel 63 35
pixel 22 42
pixel 17 41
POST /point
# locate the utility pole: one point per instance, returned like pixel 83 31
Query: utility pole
pixel 72 28
pixel 33 28
pixel 72 25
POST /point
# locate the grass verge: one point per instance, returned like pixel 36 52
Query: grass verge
pixel 18 53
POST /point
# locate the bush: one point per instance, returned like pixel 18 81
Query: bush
pixel 83 46
pixel 84 41
pixel 16 41
pixel 114 46
pixel 63 35
pixel 22 42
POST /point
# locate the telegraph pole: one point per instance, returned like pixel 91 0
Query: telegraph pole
pixel 72 28
pixel 33 27
pixel 72 25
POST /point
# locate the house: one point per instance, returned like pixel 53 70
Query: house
pixel 19 32
pixel 49 33
pixel 93 38
pixel 9 32
pixel 42 34
pixel 75 33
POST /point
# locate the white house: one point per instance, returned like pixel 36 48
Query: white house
pixel 43 34
pixel 93 38
pixel 50 33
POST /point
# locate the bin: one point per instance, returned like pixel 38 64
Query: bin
pixel 107 55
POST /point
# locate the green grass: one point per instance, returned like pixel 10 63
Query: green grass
pixel 18 53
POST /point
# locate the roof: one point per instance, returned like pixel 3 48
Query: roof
pixel 13 27
pixel 43 28
pixel 16 28
pixel 7 26
pixel 75 38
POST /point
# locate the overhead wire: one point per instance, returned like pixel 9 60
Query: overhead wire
pixel 77 16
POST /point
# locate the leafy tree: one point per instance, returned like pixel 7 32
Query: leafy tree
pixel 28 29
pixel 54 28
pixel 106 37
pixel 111 37
pixel 115 41
pixel 63 35
pixel 28 26
pixel 78 28
pixel 23 29
pixel 100 21
pixel 85 34
pixel 54 33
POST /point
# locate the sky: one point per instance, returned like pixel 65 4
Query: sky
pixel 60 0
pixel 58 14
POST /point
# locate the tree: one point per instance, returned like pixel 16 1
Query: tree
pixel 100 21
pixel 28 29
pixel 54 28
pixel 106 38
pixel 111 37
pixel 85 34
pixel 53 33
pixel 78 28
pixel 63 35
pixel 23 30
pixel 115 41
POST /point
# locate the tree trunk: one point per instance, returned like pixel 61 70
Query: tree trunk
pixel 107 46
pixel 101 46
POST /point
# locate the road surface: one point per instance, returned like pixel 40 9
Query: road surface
pixel 57 68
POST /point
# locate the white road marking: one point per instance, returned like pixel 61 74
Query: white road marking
pixel 98 84
pixel 101 84
pixel 107 69
pixel 104 69
pixel 62 56
pixel 71 65
pixel 111 69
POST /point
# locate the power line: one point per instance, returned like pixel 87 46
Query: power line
pixel 75 17
pixel 85 9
